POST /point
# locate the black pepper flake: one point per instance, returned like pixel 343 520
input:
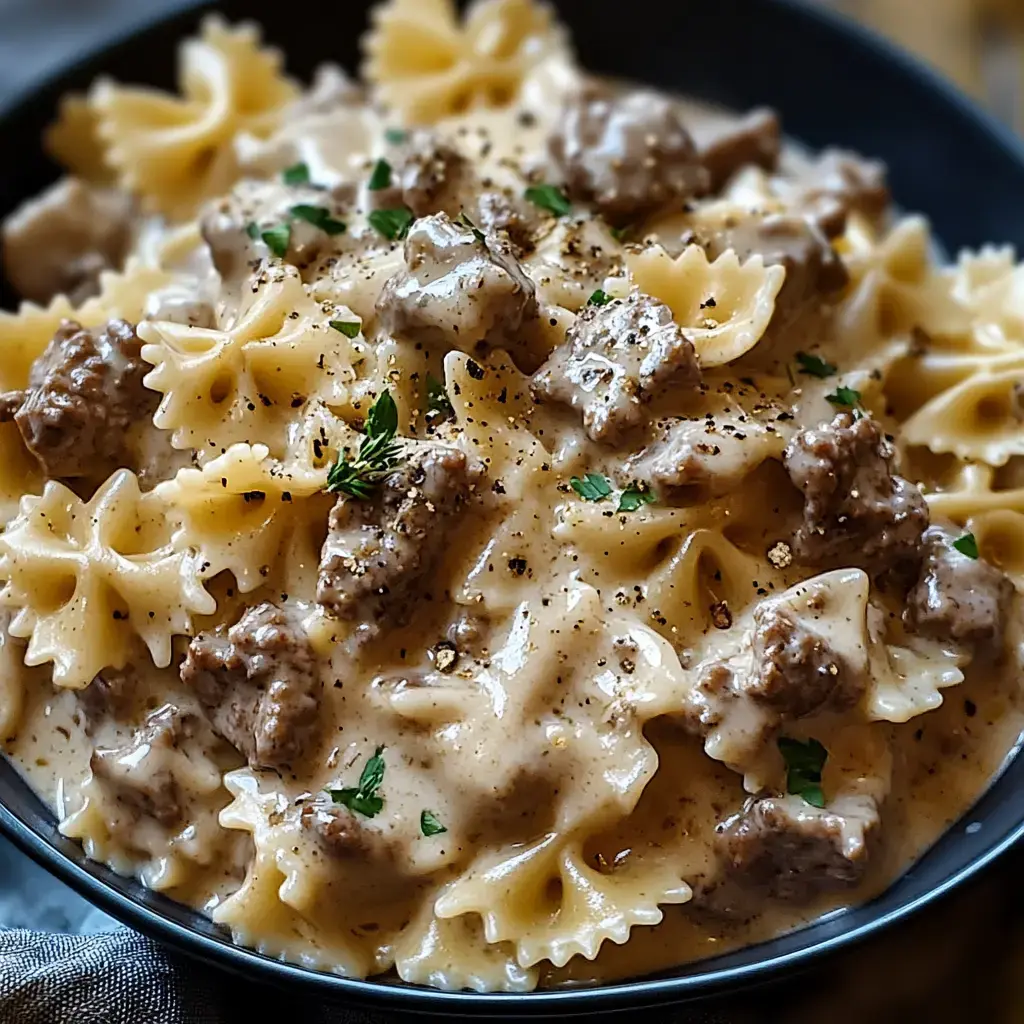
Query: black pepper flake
pixel 474 369
pixel 286 495
pixel 970 708
pixel 498 487
pixel 517 565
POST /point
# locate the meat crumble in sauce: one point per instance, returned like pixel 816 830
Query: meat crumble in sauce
pixel 477 574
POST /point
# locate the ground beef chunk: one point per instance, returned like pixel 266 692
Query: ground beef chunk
pixel 109 696
pixel 457 289
pixel 427 175
pixel 509 215
pixel 259 684
pixel 140 774
pixel 752 140
pixel 61 241
pixel 84 392
pixel 793 851
pixel 957 597
pixel 839 183
pixel 627 153
pixel 342 834
pixel 377 550
pixel 814 272
pixel 614 359
pixel 857 511
pixel 796 673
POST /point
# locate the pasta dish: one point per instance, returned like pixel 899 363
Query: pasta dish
pixel 494 524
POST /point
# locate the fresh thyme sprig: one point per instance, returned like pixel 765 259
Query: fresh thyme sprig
pixel 378 453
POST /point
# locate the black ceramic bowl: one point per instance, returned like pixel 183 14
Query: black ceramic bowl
pixel 833 84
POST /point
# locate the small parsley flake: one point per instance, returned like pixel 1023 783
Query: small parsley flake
pixel 297 174
pixel 804 764
pixel 550 198
pixel 363 798
pixel 599 297
pixel 437 398
pixel 320 217
pixel 815 366
pixel 392 224
pixel 593 487
pixel 429 825
pixel 350 328
pixel 252 229
pixel 396 136
pixel 277 239
pixel 846 397
pixel 633 498
pixel 967 545
pixel 380 177
pixel 464 221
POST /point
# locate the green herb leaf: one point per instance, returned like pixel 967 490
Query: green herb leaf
pixel 429 825
pixel 277 239
pixel 320 217
pixel 464 220
pixel 804 764
pixel 620 234
pixel 593 487
pixel 252 229
pixel 599 298
pixel 392 224
pixel 967 545
pixel 380 178
pixel 549 197
pixel 378 453
pixel 363 798
pixel 437 398
pixel 347 327
pixel 297 174
pixel 815 366
pixel 396 136
pixel 847 397
pixel 633 498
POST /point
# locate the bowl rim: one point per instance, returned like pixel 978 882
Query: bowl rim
pixel 632 993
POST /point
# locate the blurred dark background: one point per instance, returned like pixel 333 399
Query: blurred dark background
pixel 960 960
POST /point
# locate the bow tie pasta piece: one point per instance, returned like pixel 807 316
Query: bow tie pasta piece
pixel 242 383
pixel 554 905
pixel 87 578
pixel 238 509
pixel 743 297
pixel 426 65
pixel 174 151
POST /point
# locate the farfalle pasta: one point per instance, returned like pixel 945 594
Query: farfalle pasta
pixel 492 525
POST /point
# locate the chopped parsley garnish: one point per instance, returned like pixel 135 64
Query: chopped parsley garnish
pixel 297 174
pixel 815 366
pixel 380 178
pixel 599 298
pixel 593 487
pixel 465 222
pixel 277 239
pixel 967 545
pixel 846 397
pixel 392 224
pixel 378 452
pixel 550 198
pixel 252 229
pixel 363 798
pixel 437 398
pixel 320 217
pixel 429 825
pixel 804 764
pixel 350 328
pixel 619 234
pixel 396 136
pixel 633 498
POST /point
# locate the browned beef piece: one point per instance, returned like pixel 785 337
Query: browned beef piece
pixel 857 511
pixel 378 550
pixel 814 272
pixel 795 671
pixel 342 834
pixel 614 359
pixel 838 183
pixel 427 175
pixel 510 215
pixel 140 774
pixel 626 153
pixel 456 289
pixel 259 684
pixel 793 851
pixel 84 392
pixel 957 597
pixel 59 242
pixel 110 696
pixel 754 139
